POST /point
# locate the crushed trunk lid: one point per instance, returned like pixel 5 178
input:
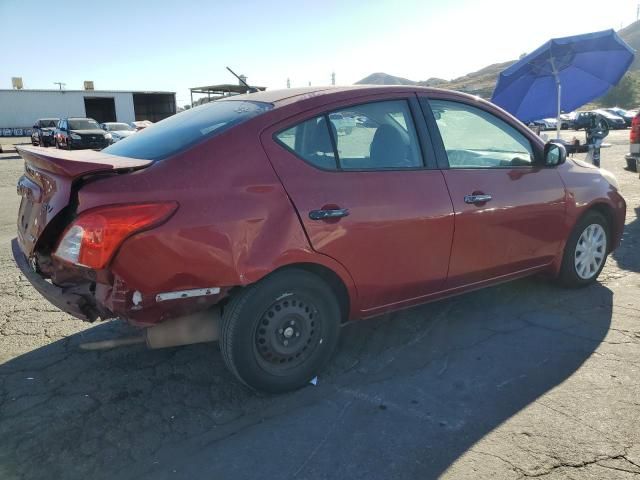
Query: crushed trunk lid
pixel 47 185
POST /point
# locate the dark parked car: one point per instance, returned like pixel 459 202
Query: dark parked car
pixel 606 119
pixel 627 116
pixel 250 219
pixel 80 134
pixel 43 132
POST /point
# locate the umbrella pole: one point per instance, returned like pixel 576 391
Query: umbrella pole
pixel 559 91
pixel 558 123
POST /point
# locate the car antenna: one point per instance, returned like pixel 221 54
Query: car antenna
pixel 251 89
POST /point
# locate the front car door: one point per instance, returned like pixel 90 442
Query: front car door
pixel 509 207
pixel 370 195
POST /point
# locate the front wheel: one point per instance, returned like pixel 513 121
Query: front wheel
pixel 277 334
pixel 586 251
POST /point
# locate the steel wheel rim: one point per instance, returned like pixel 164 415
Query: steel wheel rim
pixel 287 334
pixel 590 251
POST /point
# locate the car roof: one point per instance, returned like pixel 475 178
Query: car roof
pixel 290 95
pixel 48 118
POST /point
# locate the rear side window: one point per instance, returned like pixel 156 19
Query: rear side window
pixel 371 136
pixel 311 141
pixel 177 133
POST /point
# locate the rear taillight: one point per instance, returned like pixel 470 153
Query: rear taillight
pixel 634 134
pixel 93 237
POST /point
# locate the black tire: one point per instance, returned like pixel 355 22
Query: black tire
pixel 277 334
pixel 632 164
pixel 569 276
pixel 57 144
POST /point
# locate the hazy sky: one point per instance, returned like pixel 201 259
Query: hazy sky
pixel 174 45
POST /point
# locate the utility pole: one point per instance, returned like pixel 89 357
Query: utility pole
pixel 60 84
pixel 333 78
pixel 288 83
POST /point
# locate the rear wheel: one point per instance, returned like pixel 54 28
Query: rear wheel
pixel 277 334
pixel 586 251
pixel 632 164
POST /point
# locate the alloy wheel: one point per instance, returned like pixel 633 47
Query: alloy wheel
pixel 590 251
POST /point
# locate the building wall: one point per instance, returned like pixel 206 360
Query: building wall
pixel 21 108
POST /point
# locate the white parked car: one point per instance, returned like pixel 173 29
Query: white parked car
pixel 118 130
pixel 545 123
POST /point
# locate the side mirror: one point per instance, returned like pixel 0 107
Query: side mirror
pixel 554 154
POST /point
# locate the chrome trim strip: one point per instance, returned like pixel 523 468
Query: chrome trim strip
pixel 196 292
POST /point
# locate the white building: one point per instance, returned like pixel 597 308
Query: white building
pixel 19 109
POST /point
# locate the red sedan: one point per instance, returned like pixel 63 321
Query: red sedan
pixel 259 221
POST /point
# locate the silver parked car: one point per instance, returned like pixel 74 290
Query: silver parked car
pixel 118 130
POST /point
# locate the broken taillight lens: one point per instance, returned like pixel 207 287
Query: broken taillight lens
pixel 93 237
pixel 634 134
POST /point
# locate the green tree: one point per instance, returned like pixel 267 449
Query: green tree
pixel 622 95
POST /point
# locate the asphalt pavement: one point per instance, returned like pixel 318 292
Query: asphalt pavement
pixel 524 379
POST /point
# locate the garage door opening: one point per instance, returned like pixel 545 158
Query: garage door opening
pixel 154 106
pixel 101 109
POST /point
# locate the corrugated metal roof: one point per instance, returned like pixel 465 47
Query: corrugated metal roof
pixel 82 91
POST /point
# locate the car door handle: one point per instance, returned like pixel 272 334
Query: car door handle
pixel 328 213
pixel 475 199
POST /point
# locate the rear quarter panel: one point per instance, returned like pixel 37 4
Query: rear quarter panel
pixel 235 224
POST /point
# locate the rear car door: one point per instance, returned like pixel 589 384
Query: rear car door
pixel 509 207
pixel 369 196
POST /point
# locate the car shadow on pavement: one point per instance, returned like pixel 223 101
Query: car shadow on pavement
pixel 406 395
pixel 627 255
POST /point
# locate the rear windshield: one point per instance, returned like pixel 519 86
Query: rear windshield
pixel 48 123
pixel 83 124
pixel 185 129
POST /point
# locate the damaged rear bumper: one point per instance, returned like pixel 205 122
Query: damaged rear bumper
pixel 74 300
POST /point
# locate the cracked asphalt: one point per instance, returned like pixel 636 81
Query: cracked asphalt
pixel 520 380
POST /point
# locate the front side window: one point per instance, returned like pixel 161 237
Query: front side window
pixel 474 138
pixel 371 136
pixel 181 131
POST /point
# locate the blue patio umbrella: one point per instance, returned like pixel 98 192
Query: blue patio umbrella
pixel 562 75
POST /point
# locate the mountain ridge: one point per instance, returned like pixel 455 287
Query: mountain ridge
pixel 483 81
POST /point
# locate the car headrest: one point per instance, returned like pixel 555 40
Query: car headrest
pixel 387 147
pixel 319 140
